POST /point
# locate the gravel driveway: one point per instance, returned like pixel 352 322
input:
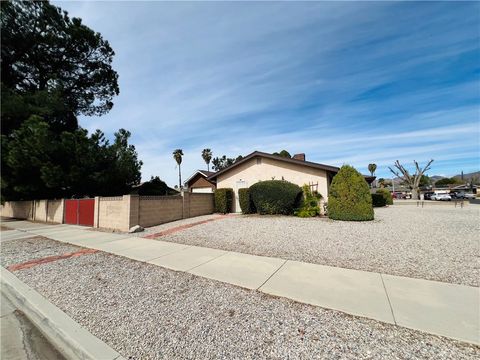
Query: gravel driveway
pixel 147 312
pixel 436 243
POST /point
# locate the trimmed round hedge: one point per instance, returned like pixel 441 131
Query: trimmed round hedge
pixel 246 203
pixel 386 195
pixel 275 197
pixel 349 197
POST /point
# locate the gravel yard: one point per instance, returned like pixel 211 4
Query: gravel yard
pixel 166 226
pixel 147 312
pixel 36 247
pixel 436 242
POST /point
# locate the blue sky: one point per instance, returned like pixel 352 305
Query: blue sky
pixel 346 83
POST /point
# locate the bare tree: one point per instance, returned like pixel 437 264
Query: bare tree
pixel 411 180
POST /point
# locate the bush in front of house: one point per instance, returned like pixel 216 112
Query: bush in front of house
pixel 378 200
pixel 223 200
pixel 349 198
pixel 275 197
pixel 309 204
pixel 246 203
pixel 387 196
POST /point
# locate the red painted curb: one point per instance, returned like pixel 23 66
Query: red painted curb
pixel 48 259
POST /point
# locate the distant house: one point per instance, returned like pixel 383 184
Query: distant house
pixel 260 166
pixel 198 182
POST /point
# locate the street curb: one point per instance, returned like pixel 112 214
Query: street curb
pixel 67 336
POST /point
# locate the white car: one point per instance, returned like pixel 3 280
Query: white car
pixel 469 196
pixel 441 197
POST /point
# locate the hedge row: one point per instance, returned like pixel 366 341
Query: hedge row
pixel 378 200
pixel 386 195
pixel 246 203
pixel 275 197
pixel 223 200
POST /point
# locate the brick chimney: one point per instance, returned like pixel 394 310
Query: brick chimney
pixel 299 157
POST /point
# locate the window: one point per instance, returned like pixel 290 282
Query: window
pixel 259 161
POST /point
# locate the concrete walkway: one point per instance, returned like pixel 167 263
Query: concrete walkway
pixel 434 307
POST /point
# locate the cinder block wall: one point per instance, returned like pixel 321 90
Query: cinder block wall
pixel 55 211
pixel 119 212
pixel 38 210
pixel 201 204
pixel 40 213
pixel 18 209
pixel 111 213
pixel 155 210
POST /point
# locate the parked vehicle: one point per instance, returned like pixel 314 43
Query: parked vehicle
pixel 457 194
pixel 428 195
pixel 461 195
pixel 399 195
pixel 441 197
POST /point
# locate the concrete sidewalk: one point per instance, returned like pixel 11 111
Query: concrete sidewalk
pixel 434 307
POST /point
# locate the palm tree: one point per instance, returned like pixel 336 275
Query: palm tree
pixel 177 155
pixel 372 168
pixel 207 156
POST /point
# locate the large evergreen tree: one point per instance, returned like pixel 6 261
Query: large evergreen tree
pixel 54 69
pixel 52 66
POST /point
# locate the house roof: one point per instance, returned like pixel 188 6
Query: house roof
pixel 275 157
pixel 205 173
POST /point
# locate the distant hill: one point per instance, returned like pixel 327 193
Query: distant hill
pixel 467 177
pixel 435 178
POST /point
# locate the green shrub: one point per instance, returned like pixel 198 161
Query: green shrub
pixel 309 204
pixel 223 200
pixel 378 200
pixel 245 201
pixel 349 197
pixel 387 196
pixel 275 197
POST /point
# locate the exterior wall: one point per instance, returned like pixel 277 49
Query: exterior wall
pixel 199 182
pixel 201 204
pixel 55 211
pixel 252 171
pixel 38 210
pixel 111 213
pixel 118 212
pixel 18 209
pixel 40 213
pixel 155 210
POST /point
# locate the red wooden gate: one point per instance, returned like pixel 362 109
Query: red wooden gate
pixel 79 211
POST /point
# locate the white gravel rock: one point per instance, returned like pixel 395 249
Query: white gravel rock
pixel 436 242
pixel 146 312
pixel 36 247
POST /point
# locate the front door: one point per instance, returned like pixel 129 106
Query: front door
pixel 239 185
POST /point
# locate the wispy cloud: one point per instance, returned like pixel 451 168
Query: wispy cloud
pixel 344 82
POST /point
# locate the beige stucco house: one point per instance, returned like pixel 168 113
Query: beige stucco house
pixel 259 166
